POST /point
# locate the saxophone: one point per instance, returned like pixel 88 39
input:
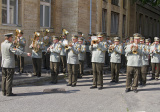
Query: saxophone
pixel 16 42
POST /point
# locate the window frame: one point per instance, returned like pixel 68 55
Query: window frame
pixel 44 3
pixel 8 14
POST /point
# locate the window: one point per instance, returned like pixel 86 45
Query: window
pixel 114 23
pixel 124 4
pixel 124 26
pixel 104 19
pixel 45 13
pixel 10 12
pixel 146 26
pixel 158 32
pixel 115 2
pixel 140 23
pixel 150 27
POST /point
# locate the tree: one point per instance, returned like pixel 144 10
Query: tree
pixel 152 2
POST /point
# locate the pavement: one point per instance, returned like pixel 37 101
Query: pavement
pixel 29 78
pixel 46 97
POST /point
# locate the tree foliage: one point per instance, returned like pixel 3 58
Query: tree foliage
pixel 152 2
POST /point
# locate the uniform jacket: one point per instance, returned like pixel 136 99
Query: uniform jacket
pixel 8 54
pixel 116 54
pixel 134 60
pixel 82 53
pixel 155 55
pixel 73 54
pixel 98 52
pixel 55 52
pixel 145 56
pixel 49 43
pixel 63 44
pixel 22 43
pixel 39 53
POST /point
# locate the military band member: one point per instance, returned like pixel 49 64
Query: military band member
pixel 123 60
pixel 55 50
pixel 8 63
pixel 145 61
pixel 20 43
pixel 98 49
pixel 134 64
pixel 155 58
pixel 37 47
pixel 64 43
pixel 81 57
pixel 116 51
pixel 46 55
pixel 72 61
pixel 88 53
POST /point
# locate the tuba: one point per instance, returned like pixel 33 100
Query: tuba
pixel 16 44
pixel 46 41
pixel 65 32
pixel 134 49
pixel 36 44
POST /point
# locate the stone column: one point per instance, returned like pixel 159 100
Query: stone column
pixel 0 12
pixel 109 18
pixel 99 15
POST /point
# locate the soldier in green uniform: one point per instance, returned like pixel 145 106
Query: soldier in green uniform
pixel 72 61
pixel 46 55
pixel 63 55
pixel 116 51
pixel 88 53
pixel 20 43
pixel 81 57
pixel 155 58
pixel 55 50
pixel 145 61
pixel 8 63
pixel 134 63
pixel 98 48
pixel 37 47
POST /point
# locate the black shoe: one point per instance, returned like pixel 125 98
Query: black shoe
pixel 80 76
pixel 93 87
pixel 73 85
pixel 11 94
pixel 47 68
pixel 55 82
pixel 127 90
pixel 44 68
pixel 135 90
pixel 69 84
pixel 100 88
pixel 143 85
pixel 51 82
pixel 116 81
pixel 152 78
pixel 140 83
pixel 156 79
pixel 112 81
pixel 39 76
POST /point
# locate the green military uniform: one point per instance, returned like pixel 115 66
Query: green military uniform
pixel 116 51
pixel 64 42
pixel 73 62
pixel 47 41
pixel 145 63
pixel 81 57
pixel 133 65
pixel 155 59
pixel 8 64
pixel 88 53
pixel 20 44
pixel 37 55
pixel 55 50
pixel 98 60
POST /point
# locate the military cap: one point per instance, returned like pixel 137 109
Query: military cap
pixel 100 34
pixel 74 37
pixel 137 35
pixel 37 34
pixel 80 33
pixel 116 39
pixel 146 40
pixel 89 35
pixel 80 39
pixel 19 31
pixel 94 34
pixel 156 39
pixel 55 38
pixel 8 34
pixel 131 38
pixel 142 39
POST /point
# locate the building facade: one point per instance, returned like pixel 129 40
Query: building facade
pixel 115 17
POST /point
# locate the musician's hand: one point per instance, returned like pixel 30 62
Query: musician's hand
pixel 131 46
pixel 92 43
pixel 51 47
pixel 60 41
pixel 28 54
pixel 18 40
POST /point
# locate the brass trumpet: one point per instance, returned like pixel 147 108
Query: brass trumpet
pixel 111 48
pixel 134 49
pixel 70 44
